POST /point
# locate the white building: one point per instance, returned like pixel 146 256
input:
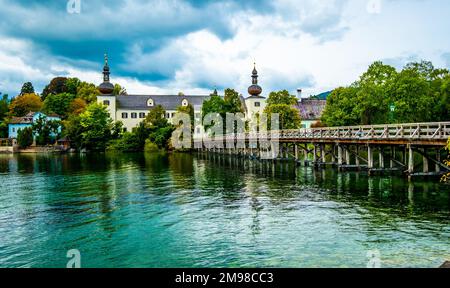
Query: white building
pixel 132 109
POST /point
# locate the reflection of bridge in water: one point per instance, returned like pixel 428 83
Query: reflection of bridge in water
pixel 408 148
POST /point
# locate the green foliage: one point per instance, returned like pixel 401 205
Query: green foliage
pixel 281 103
pixel 232 102
pixel 72 85
pixel 25 103
pixel 96 127
pixel 59 103
pixel 27 88
pixel 25 137
pixel 4 106
pixel 150 146
pixel 418 93
pixel 119 90
pixel 3 129
pixel 161 136
pixel 289 117
pixel 189 110
pixel 281 97
pixel 128 142
pixel 88 92
pixel 46 132
pixel 155 118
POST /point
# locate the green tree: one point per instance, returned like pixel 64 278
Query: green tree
pixel 340 109
pixel 156 118
pixel 27 88
pixel 96 127
pixel 232 102
pixel 281 97
pixel 45 131
pixel 4 106
pixel 282 103
pixel 88 92
pixel 25 137
pixel 25 103
pixel 119 90
pixel 189 110
pixel 77 106
pixel 59 103
pixel 72 85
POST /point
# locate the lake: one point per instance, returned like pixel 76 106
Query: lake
pixel 182 210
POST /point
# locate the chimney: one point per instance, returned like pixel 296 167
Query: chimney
pixel 299 93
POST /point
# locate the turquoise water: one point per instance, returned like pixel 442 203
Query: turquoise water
pixel 185 211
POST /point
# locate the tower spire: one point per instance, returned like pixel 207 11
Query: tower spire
pixel 254 89
pixel 106 72
pixel 106 88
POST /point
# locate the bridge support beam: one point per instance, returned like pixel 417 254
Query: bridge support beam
pixel 381 158
pixel 438 158
pixel 410 160
pixel 340 156
pixel 370 157
pixel 426 167
pixel 347 156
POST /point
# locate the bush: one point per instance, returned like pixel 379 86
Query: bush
pixel 127 143
pixel 150 146
pixel 25 137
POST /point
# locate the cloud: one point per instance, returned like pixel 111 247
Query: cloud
pixel 175 45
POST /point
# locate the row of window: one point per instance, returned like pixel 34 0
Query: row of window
pixel 134 115
pixel 142 115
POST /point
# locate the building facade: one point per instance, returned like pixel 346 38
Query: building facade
pixel 132 109
pixel 18 123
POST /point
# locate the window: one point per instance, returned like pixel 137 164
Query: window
pixel 198 130
pixel 13 129
pixel 106 102
pixel 124 129
pixel 257 104
pixel 197 115
pixel 173 114
pixel 184 103
pixel 141 115
pixel 150 102
pixel 124 115
pixel 134 115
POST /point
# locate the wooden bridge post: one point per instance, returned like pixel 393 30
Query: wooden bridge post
pixel 381 157
pixel 438 158
pixel 315 155
pixel 392 165
pixel 410 160
pixel 323 154
pixel 370 157
pixel 340 159
pixel 426 167
pixel 347 155
pixel 357 163
pixel 296 152
pixel 305 155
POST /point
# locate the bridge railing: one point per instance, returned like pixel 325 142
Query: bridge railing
pixel 414 131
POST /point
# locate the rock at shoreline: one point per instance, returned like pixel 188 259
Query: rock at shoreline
pixel 446 265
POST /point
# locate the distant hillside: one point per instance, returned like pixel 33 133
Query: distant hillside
pixel 321 96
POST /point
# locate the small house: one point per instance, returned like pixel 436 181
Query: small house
pixel 18 123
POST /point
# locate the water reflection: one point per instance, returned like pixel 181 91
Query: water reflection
pixel 178 210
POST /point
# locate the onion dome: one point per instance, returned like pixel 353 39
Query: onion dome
pixel 254 89
pixel 106 88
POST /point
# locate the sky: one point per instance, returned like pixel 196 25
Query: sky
pixel 171 46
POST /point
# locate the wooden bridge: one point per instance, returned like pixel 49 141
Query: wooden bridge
pixel 409 148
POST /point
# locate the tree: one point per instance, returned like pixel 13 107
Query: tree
pixel 88 92
pixel 72 85
pixel 96 127
pixel 59 103
pixel 4 106
pixel 281 103
pixel 340 109
pixel 281 97
pixel 418 93
pixel 155 118
pixel 56 86
pixel 232 102
pixel 25 137
pixel 46 131
pixel 119 90
pixel 27 88
pixel 25 103
pixel 77 106
pixel 189 110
